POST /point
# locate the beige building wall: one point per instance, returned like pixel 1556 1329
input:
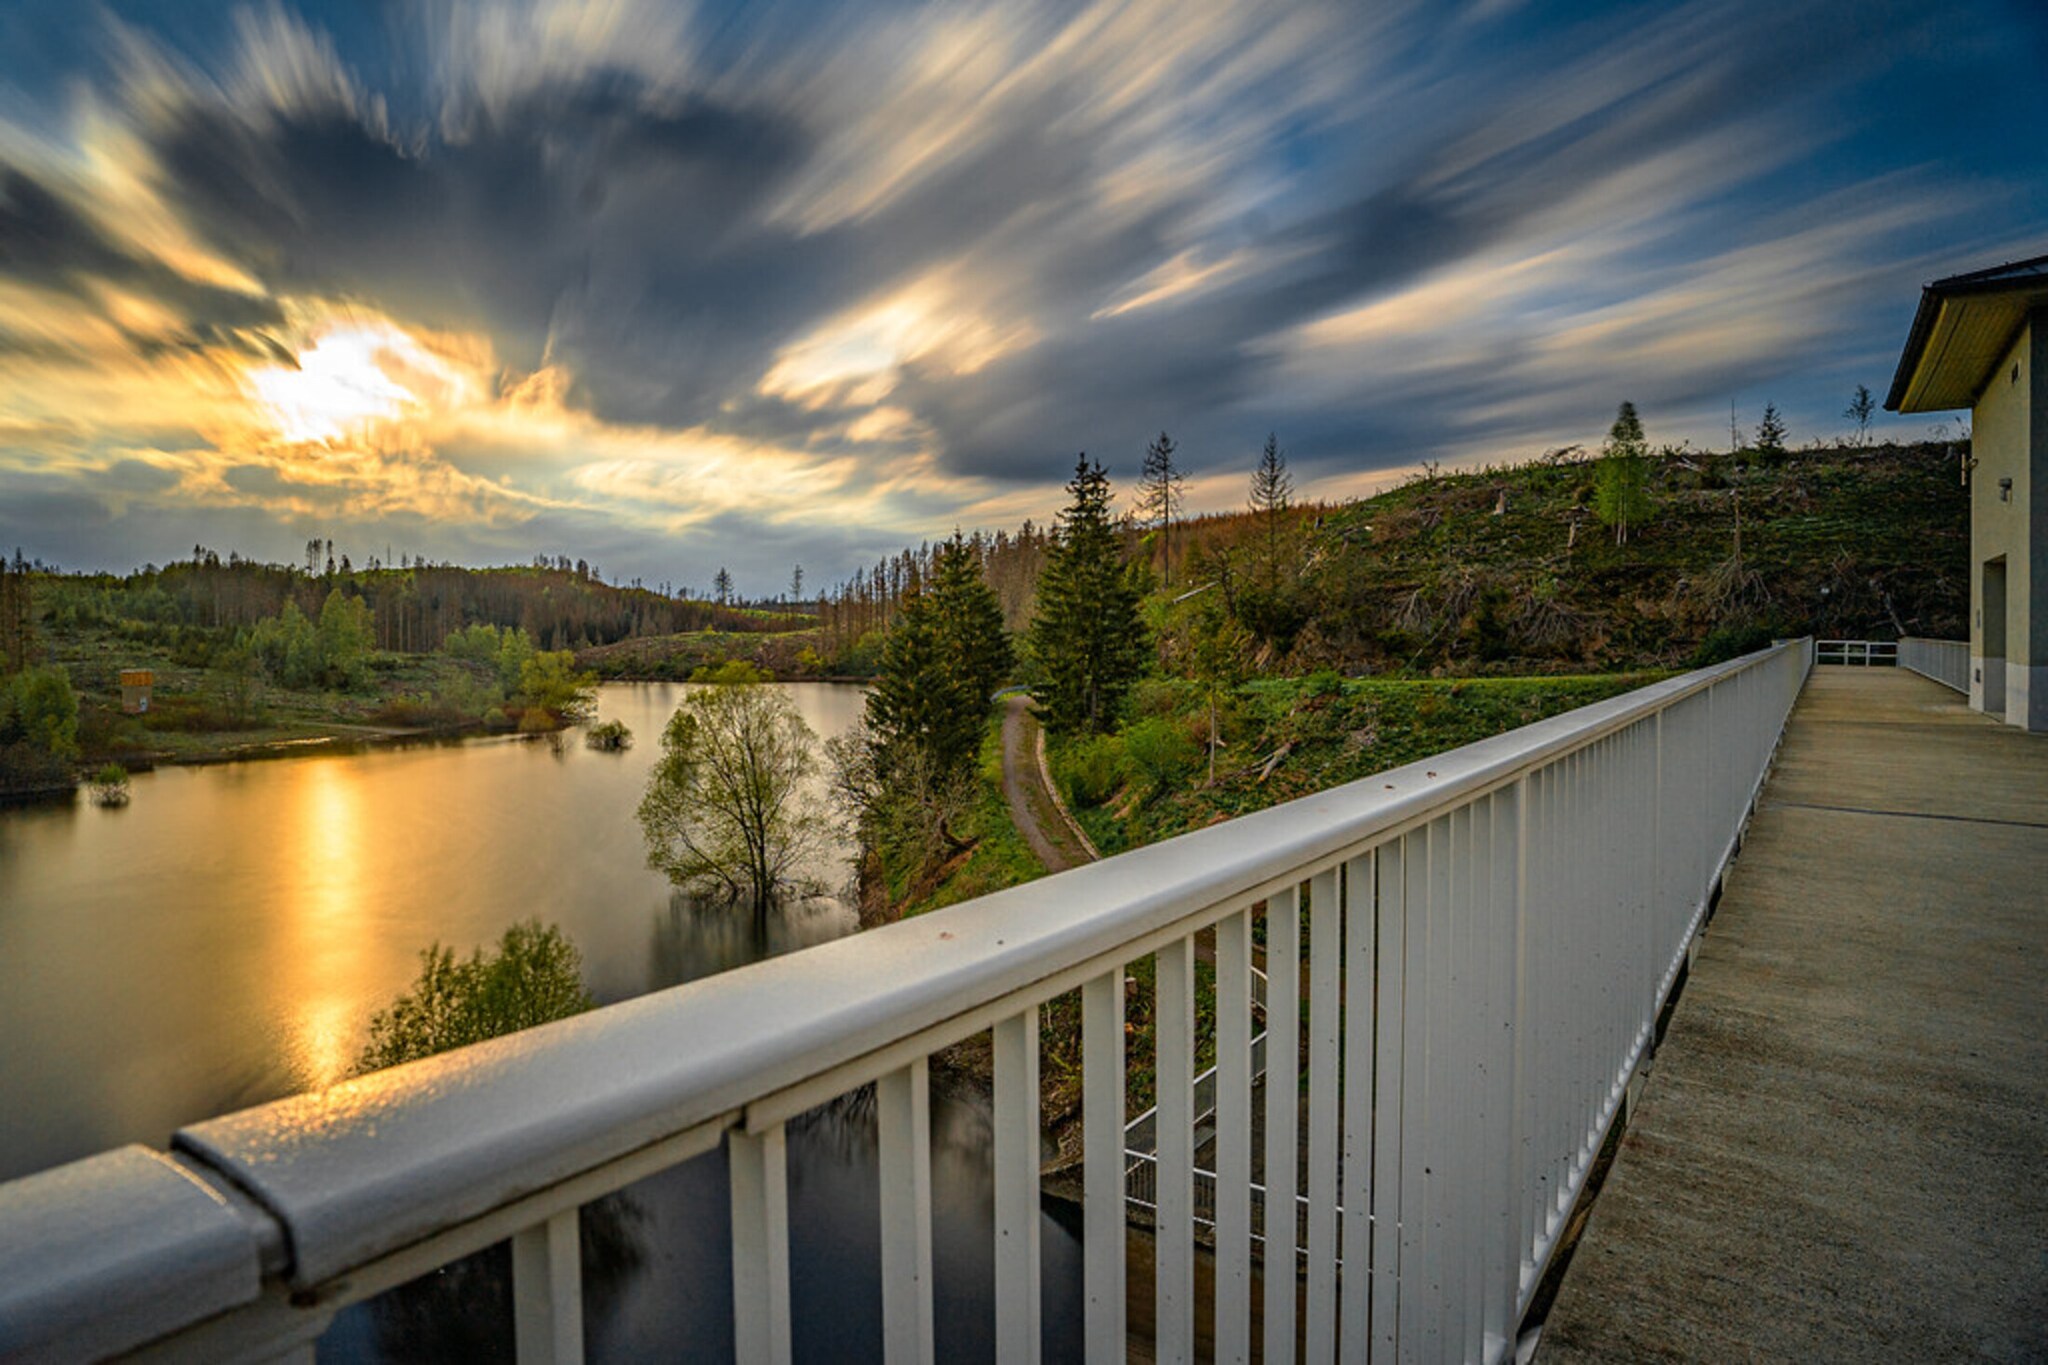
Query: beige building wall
pixel 2009 535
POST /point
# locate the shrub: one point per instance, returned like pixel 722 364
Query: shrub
pixel 535 976
pixel 1092 768
pixel 611 736
pixel 1160 750
pixel 110 786
pixel 1730 642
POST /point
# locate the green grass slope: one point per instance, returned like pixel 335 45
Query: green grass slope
pixel 1509 570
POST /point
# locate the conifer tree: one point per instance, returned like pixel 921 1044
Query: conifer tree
pixel 1272 495
pixel 944 654
pixel 1087 635
pixel 1160 490
pixel 1771 432
pixel 1621 493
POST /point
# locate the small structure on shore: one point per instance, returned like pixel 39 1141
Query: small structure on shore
pixel 135 688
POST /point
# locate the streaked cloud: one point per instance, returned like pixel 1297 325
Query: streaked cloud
pixel 690 285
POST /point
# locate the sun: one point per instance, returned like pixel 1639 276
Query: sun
pixel 343 380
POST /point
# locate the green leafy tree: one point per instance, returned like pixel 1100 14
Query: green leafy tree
pixel 343 640
pixel 39 709
pixel 1621 494
pixel 943 657
pixel 38 729
pixel 727 810
pixel 1771 432
pixel 535 976
pixel 1161 486
pixel 1218 648
pixel 550 685
pixel 1087 637
pixel 288 647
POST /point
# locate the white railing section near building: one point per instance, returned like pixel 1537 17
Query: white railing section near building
pixel 1478 945
pixel 1944 661
pixel 1857 653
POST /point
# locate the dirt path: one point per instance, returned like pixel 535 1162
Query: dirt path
pixel 1032 808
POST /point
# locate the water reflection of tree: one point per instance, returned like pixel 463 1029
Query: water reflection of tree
pixel 463 1311
pixel 699 936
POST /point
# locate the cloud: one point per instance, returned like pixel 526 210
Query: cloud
pixel 734 277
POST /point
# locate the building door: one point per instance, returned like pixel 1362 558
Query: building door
pixel 1994 636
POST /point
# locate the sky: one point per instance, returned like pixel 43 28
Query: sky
pixel 675 286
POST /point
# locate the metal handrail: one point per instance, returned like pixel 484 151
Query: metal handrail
pixel 1613 820
pixel 1857 653
pixel 1944 661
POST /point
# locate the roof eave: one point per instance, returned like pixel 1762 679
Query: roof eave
pixel 1924 318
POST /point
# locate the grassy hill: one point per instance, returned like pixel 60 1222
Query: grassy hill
pixel 1510 571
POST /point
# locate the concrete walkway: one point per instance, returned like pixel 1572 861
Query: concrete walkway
pixel 1842 1151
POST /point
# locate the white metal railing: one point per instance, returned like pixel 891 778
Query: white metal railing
pixel 1857 653
pixel 1479 945
pixel 1945 661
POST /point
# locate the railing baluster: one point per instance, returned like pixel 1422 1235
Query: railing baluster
pixel 904 1130
pixel 1018 1315
pixel 1481 999
pixel 1173 1219
pixel 1325 961
pixel 1389 1122
pixel 1283 1118
pixel 1512 866
pixel 1438 1252
pixel 1102 1111
pixel 760 1246
pixel 1416 1285
pixel 1233 1137
pixel 1360 935
pixel 547 1292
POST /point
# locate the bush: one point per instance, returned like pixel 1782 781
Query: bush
pixel 1160 750
pixel 1158 697
pixel 110 785
pixel 1324 682
pixel 1730 642
pixel 612 736
pixel 39 710
pixel 535 976
pixel 1091 768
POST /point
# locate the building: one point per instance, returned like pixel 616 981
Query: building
pixel 1980 341
pixel 135 688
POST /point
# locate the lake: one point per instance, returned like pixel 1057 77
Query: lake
pixel 224 939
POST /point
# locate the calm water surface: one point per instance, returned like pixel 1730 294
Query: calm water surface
pixel 225 938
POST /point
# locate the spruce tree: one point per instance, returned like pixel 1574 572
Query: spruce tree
pixel 1087 635
pixel 1159 495
pixel 944 654
pixel 1771 432
pixel 1272 494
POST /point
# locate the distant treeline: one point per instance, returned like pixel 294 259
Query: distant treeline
pixel 862 606
pixel 411 609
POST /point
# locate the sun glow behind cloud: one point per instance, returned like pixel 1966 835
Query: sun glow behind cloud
pixel 340 382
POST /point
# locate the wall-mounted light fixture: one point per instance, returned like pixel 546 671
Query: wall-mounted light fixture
pixel 2005 490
